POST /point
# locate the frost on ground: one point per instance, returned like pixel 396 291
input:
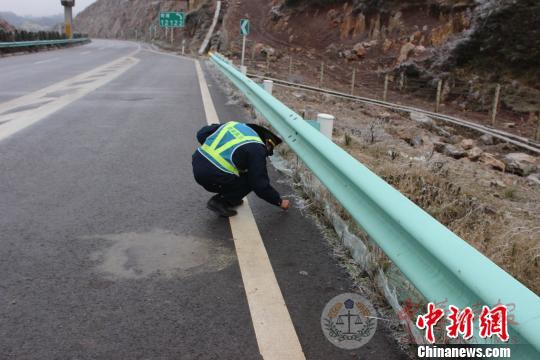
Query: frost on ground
pixel 461 178
pixel 452 174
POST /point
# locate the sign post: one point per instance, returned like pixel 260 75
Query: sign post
pixel 244 31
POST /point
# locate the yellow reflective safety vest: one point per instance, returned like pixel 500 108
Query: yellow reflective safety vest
pixel 219 147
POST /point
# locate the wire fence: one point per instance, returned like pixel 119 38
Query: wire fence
pixel 486 103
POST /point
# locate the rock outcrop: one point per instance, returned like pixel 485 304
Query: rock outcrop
pixel 4 26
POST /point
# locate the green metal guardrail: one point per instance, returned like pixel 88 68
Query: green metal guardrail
pixel 18 44
pixel 439 263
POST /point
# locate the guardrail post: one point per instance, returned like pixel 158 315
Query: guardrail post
pixel 495 104
pixel 326 122
pixel 268 86
pixel 439 91
pixel 385 93
pixel 353 81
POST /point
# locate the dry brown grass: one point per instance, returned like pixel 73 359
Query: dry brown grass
pixel 502 222
pixel 492 224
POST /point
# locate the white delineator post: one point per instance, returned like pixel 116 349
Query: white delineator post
pixel 326 123
pixel 268 86
pixel 243 69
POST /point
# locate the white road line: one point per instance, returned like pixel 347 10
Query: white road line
pixel 276 336
pixel 46 61
pixel 45 102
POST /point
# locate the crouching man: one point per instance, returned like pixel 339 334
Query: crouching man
pixel 231 162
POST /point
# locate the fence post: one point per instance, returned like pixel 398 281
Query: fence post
pixel 495 104
pixel 353 81
pixel 439 92
pixel 321 80
pixel 290 65
pixel 537 137
pixel 385 94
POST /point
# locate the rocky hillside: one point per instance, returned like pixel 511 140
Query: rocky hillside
pixel 125 19
pixel 4 26
pixel 470 44
pixel 493 40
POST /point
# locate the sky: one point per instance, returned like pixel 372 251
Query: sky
pixel 40 7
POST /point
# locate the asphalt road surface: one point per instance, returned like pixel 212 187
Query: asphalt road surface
pixel 107 250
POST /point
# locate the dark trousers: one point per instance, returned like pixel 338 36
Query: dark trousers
pixel 230 187
pixel 232 192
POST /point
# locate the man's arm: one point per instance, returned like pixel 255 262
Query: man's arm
pixel 258 175
pixel 205 132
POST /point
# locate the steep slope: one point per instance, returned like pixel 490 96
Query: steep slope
pixel 471 45
pixel 4 26
pixel 139 18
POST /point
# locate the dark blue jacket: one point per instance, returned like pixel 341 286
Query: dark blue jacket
pixel 249 159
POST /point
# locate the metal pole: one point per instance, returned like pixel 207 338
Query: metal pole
pixel 438 101
pixel 267 62
pixel 385 94
pixel 495 104
pixel 353 81
pixel 321 80
pixel 172 36
pixel 244 50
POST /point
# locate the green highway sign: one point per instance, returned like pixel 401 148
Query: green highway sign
pixel 244 27
pixel 172 19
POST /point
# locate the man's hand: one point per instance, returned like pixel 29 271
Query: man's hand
pixel 284 204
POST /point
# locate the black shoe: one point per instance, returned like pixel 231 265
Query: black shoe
pixel 233 203
pixel 220 207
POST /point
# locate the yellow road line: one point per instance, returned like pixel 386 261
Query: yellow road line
pixel 276 336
